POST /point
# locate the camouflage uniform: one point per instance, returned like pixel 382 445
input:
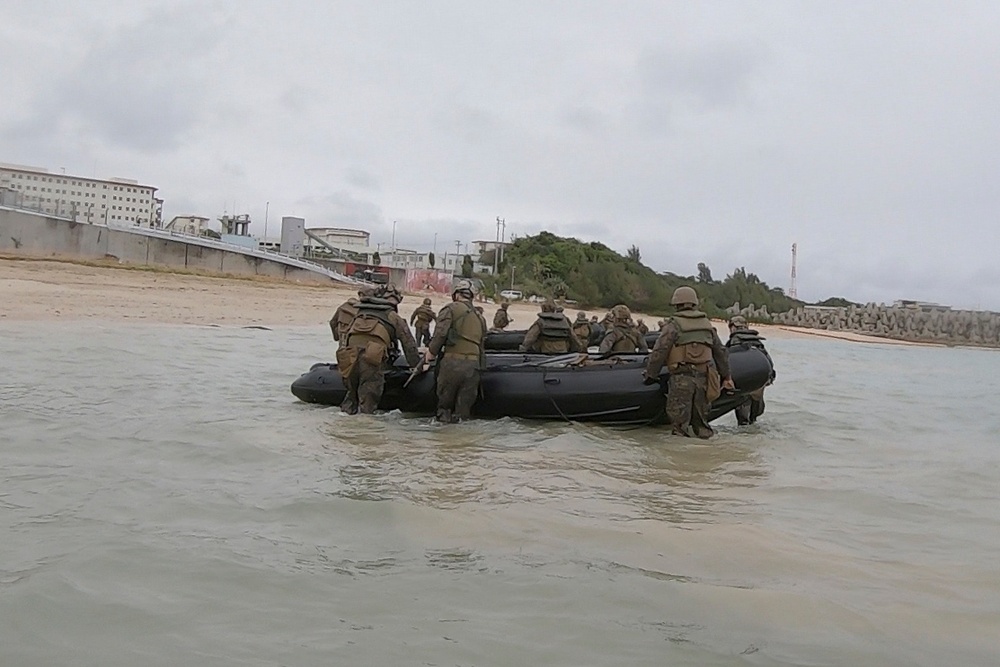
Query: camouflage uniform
pixel 551 334
pixel 581 328
pixel 641 327
pixel 622 336
pixel 373 335
pixel 688 344
pixel 423 315
pixel 501 320
pixel 458 344
pixel 740 335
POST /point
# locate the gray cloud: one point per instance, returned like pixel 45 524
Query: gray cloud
pixel 699 132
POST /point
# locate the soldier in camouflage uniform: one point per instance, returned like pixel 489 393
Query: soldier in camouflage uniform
pixel 502 320
pixel 423 315
pixel 458 345
pixel 641 327
pixel 688 344
pixel 741 335
pixel 551 333
pixel 581 327
pixel 622 336
pixel 345 314
pixel 375 332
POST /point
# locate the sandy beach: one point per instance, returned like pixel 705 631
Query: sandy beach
pixel 45 290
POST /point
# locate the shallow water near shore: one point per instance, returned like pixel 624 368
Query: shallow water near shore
pixel 165 500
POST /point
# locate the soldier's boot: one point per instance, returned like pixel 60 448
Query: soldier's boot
pixel 444 416
pixel 743 414
pixel 704 432
pixel 349 405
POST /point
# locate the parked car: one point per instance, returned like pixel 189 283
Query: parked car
pixel 511 294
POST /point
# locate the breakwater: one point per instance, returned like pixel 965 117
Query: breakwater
pixel 909 323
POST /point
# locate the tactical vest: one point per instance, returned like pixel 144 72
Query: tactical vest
pixel 627 339
pixel 582 331
pixel 466 333
pixel 553 326
pixel 746 337
pixel 345 317
pixel 372 323
pixel 694 340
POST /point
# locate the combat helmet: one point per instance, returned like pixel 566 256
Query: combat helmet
pixel 684 295
pixel 389 293
pixel 621 313
pixel 427 301
pixel 737 321
pixel 465 288
pixel 548 306
pixel 581 316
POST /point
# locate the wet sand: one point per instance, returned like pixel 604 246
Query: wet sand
pixel 45 290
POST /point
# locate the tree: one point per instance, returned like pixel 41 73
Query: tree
pixel 704 273
pixel 430 259
pixel 376 258
pixel 467 266
pixel 633 254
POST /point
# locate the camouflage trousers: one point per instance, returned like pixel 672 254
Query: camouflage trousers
pixel 687 405
pixel 423 336
pixel 748 411
pixel 365 384
pixel 457 388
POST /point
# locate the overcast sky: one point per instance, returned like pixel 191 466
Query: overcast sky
pixel 722 132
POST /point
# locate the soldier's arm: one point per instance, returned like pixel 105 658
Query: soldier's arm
pixel 574 342
pixel 530 338
pixel 406 340
pixel 658 357
pixel 721 356
pixel 413 315
pixel 642 345
pixel 608 342
pixel 440 332
pixel 333 326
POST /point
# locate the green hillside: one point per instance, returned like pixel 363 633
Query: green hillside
pixel 598 278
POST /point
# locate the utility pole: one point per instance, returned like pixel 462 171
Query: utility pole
pixel 503 231
pixel 792 292
pixel 267 207
pixel 393 238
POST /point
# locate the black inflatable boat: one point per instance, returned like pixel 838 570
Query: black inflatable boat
pixel 572 387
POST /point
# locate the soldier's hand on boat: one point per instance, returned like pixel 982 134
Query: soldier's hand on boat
pixel 649 380
pixel 428 357
pixel 728 385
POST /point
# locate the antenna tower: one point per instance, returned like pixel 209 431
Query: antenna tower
pixel 792 293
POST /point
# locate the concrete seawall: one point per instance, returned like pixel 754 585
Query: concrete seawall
pixel 932 325
pixel 31 234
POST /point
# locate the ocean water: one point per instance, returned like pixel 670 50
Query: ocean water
pixel 165 500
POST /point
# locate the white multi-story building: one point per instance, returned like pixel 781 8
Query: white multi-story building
pixel 188 224
pixel 115 200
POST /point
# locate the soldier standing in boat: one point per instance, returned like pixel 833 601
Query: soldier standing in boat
pixel 502 320
pixel 423 315
pixel 551 333
pixel 622 336
pixel 375 331
pixel 692 350
pixel 458 344
pixel 741 335
pixel 641 327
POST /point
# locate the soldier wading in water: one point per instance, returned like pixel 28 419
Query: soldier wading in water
pixel 458 344
pixel 741 335
pixel 375 332
pixel 689 344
